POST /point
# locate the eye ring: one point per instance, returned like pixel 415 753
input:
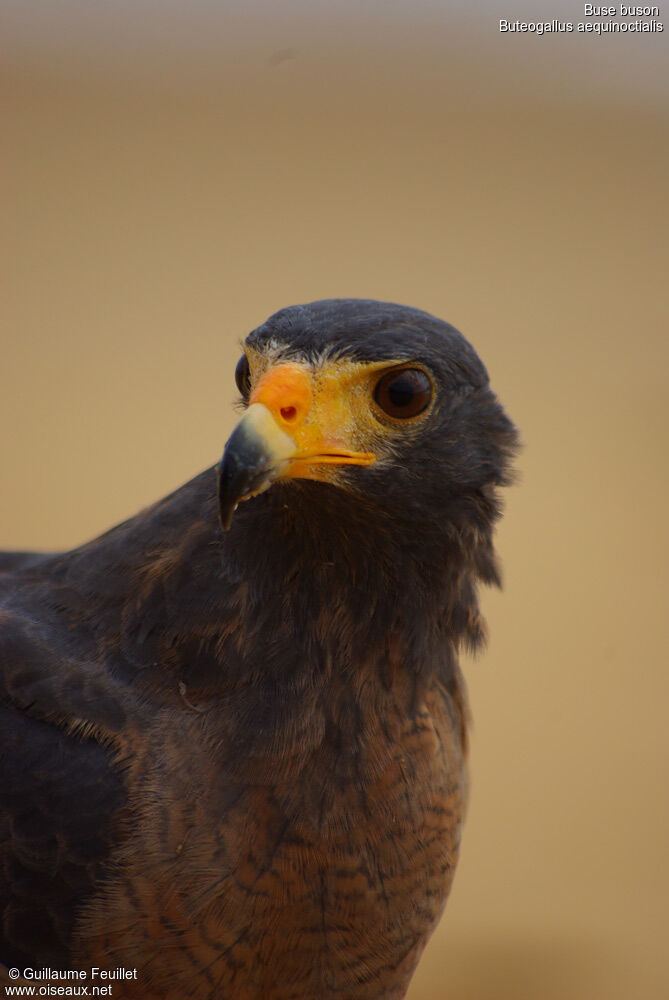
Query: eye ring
pixel 403 393
pixel 243 376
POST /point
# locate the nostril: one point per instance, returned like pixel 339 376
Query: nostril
pixel 288 412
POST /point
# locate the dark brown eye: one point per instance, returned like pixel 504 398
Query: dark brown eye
pixel 404 393
pixel 243 376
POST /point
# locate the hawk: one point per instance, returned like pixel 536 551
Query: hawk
pixel 233 728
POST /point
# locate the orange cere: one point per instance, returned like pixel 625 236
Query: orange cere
pixel 314 408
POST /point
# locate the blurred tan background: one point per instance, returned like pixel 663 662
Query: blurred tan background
pixel 174 173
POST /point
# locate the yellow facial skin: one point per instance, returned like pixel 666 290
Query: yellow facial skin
pixel 304 422
pixel 321 411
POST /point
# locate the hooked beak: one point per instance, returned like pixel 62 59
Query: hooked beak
pixel 278 437
pixel 253 458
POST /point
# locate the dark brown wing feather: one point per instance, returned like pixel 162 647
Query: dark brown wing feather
pixel 58 797
pixel 79 636
pixel 60 788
